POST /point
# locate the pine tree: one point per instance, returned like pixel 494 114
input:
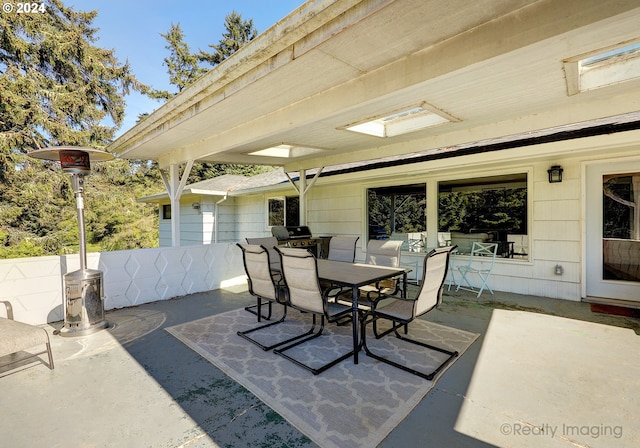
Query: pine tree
pixel 184 69
pixel 239 33
pixel 58 88
pixel 183 66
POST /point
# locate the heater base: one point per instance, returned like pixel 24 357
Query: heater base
pixel 71 331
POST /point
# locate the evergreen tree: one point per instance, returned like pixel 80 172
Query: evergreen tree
pixel 239 33
pixel 184 69
pixel 58 88
pixel 183 66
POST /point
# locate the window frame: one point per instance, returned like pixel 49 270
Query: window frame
pixel 411 182
pixel 285 199
pixel 165 210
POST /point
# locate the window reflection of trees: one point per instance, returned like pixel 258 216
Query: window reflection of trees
pixel 619 207
pixel 476 205
pixel 398 209
pixel 492 209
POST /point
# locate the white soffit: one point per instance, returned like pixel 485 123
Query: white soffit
pixel 496 66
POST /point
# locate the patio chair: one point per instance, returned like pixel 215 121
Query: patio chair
pixel 481 261
pixel 300 275
pixel 270 243
pixel 401 312
pixel 263 286
pixel 18 336
pixel 343 248
pixel 382 253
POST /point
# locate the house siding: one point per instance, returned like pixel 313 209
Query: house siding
pixel 336 205
pixel 251 219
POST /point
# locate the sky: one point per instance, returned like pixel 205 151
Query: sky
pixel 132 28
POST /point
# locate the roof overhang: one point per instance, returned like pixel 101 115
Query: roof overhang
pixel 492 68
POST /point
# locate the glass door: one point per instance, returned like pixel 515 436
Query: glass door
pixel 613 231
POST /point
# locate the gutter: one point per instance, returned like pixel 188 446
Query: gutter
pixel 215 217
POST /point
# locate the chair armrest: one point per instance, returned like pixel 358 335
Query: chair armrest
pixel 9 309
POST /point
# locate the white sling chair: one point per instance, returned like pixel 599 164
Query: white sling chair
pixel 343 248
pixel 401 312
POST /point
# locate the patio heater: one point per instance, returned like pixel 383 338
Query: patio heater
pixel 84 301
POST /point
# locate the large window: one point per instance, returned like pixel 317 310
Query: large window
pixel 284 211
pixel 485 209
pixel 397 212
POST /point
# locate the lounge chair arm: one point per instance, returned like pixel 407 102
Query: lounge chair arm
pixel 9 309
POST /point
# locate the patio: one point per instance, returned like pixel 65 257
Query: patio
pixel 136 385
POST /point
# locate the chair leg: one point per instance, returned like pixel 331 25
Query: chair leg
pixel 484 284
pixel 452 280
pixel 396 325
pixel 50 356
pixel 313 334
pixel 258 310
pixel 244 334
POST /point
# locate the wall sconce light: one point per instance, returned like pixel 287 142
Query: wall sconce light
pixel 555 174
pixel 195 206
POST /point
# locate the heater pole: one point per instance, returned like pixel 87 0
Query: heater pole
pixel 77 182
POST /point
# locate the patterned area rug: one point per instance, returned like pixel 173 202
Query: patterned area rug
pixel 346 406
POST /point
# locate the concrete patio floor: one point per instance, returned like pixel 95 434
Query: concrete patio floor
pixel 135 385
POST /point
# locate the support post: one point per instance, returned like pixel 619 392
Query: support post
pixel 175 185
pixel 302 191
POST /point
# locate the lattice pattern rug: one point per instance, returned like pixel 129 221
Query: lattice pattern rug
pixel 346 406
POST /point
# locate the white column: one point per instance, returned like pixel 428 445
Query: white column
pixel 302 191
pixel 303 197
pixel 174 185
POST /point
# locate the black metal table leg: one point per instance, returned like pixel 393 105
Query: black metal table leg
pixel 354 323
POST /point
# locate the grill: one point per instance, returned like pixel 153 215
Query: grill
pixel 296 236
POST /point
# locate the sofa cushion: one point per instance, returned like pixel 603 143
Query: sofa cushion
pixel 18 336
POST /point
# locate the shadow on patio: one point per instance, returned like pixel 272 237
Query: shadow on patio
pixel 136 385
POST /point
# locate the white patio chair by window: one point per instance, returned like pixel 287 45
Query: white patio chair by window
pixel 343 248
pixel 417 241
pixel 444 239
pixel 481 261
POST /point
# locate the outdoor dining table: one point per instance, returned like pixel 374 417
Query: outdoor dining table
pixel 355 275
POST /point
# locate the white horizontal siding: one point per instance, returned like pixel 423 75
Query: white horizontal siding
pixel 336 205
pixel 336 210
pixel 251 217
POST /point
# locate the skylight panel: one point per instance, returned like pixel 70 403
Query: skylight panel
pixel 286 151
pixel 603 68
pixel 400 122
